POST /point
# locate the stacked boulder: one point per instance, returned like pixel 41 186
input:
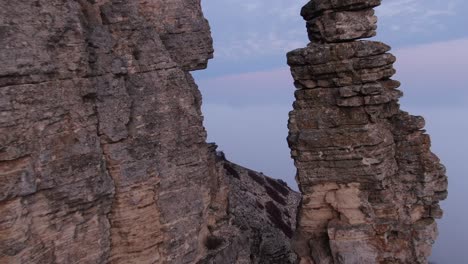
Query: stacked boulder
pixel 371 186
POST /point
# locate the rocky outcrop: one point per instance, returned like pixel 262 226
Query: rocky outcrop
pixel 370 184
pixel 103 156
pixel 253 221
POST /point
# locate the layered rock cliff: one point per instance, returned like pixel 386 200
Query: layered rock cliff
pixel 103 154
pixel 371 186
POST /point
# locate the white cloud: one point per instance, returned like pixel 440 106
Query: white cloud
pixel 244 29
pixel 251 6
pixel 261 43
pixel 285 10
pixel 418 15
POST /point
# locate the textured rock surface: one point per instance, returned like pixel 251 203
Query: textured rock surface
pixel 370 183
pixel 103 156
pixel 254 221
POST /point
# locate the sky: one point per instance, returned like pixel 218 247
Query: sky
pixel 248 92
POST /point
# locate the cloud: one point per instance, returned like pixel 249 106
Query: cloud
pixel 433 74
pixel 417 15
pixel 243 29
pixel 251 6
pixel 417 8
pixel 260 44
pixel 260 28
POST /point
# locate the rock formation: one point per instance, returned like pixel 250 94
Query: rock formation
pixel 256 216
pixel 370 183
pixel 103 155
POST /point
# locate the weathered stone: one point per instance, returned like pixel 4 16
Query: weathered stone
pixel 341 64
pixel 342 26
pixel 255 217
pixel 103 155
pixel 370 183
pixel 315 8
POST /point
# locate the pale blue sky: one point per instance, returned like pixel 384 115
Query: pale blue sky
pixel 255 34
pixel 247 89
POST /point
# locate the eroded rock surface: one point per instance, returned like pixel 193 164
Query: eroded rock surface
pixel 252 222
pixel 371 186
pixel 103 155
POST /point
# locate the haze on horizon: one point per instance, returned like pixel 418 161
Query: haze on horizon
pixel 247 89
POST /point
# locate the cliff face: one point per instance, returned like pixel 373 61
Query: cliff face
pixel 370 184
pixel 103 156
pixel 252 218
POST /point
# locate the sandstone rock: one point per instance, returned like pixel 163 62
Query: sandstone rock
pixel 340 20
pixel 342 26
pixel 103 155
pixel 370 183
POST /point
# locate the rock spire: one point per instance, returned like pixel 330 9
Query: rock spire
pixel 371 186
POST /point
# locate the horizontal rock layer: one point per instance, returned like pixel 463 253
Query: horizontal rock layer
pixel 370 183
pixel 340 20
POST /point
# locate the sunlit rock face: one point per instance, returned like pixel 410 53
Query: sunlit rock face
pixel 371 186
pixel 103 155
